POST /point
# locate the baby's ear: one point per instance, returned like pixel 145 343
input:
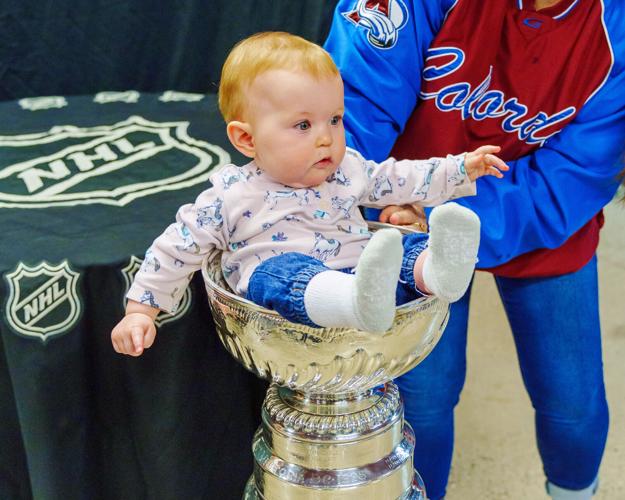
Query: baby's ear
pixel 240 135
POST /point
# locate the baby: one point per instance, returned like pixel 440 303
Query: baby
pixel 288 222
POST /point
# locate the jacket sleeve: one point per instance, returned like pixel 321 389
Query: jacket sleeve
pixel 382 83
pixel 548 195
pixel 178 252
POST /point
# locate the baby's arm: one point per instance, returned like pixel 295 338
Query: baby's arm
pixel 428 182
pixel 167 269
pixel 136 331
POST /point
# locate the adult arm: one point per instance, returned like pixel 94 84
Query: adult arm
pixel 548 195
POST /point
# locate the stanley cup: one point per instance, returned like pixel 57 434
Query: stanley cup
pixel 332 421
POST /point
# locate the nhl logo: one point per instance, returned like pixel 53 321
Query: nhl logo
pixel 43 300
pixel 69 165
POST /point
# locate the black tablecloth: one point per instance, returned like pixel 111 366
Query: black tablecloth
pixel 86 183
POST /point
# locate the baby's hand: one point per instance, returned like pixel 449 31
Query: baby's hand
pixel 134 333
pixel 482 162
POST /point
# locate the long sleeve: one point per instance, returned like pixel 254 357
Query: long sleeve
pixel 178 252
pixel 427 182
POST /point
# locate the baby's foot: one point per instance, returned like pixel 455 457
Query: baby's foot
pixel 453 244
pixel 377 274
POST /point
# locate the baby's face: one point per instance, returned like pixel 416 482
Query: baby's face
pixel 297 126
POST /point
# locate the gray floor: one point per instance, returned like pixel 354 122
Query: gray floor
pixel 495 455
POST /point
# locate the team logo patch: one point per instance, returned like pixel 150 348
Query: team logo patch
pixel 382 19
pixel 129 272
pixel 43 300
pixel 71 165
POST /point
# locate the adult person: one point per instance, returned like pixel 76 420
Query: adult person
pixel 546 81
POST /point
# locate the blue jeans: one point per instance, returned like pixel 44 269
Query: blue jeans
pixel 279 283
pixel 555 323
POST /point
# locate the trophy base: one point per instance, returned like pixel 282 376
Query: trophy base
pixel 336 447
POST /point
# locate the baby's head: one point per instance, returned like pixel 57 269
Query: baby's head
pixel 282 98
pixel 272 50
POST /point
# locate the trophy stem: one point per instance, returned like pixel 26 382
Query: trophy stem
pixel 334 446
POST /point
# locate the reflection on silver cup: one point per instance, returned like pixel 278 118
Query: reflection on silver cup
pixel 332 422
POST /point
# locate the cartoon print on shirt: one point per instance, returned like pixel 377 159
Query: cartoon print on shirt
pixel 369 168
pixel 339 177
pixel 344 205
pixel 279 236
pixel 150 262
pixel 289 218
pixel 457 178
pixel 431 167
pixel 148 297
pixel 353 229
pixel 229 178
pixel 229 269
pixel 210 215
pixel 381 187
pixel 236 245
pixel 324 247
pixel 320 214
pixel 302 195
pixel 188 244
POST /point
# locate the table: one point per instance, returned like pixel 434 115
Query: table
pixel 86 183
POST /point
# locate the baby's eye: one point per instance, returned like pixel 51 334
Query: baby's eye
pixel 304 125
pixel 336 120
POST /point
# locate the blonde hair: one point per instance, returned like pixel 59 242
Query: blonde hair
pixel 263 52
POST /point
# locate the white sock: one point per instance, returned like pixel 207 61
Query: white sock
pixel 377 274
pixel 366 300
pixel 328 300
pixel 453 244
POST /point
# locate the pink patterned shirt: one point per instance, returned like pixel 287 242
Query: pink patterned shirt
pixel 252 218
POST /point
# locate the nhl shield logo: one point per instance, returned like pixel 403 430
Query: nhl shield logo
pixel 129 272
pixel 43 300
pixel 70 165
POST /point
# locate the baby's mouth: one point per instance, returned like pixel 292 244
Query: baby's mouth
pixel 324 162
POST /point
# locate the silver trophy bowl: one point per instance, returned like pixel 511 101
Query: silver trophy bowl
pixel 332 421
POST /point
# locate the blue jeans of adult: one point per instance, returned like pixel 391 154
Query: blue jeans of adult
pixel 555 323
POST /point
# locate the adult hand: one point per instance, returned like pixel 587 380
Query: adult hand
pixel 405 215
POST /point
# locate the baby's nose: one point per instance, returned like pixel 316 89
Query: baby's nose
pixel 324 138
